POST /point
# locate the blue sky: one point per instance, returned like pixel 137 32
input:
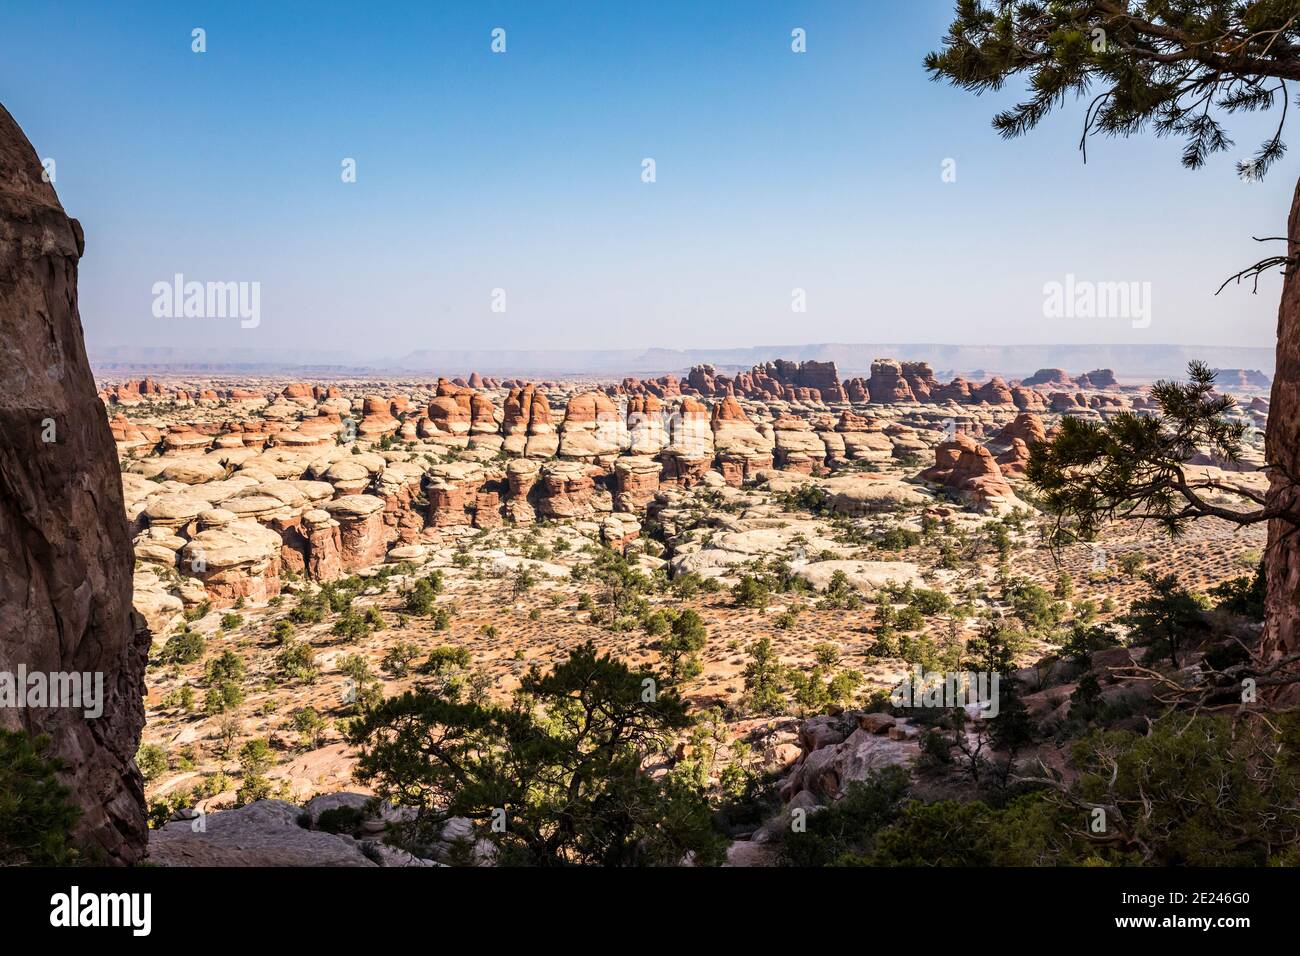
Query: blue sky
pixel 522 171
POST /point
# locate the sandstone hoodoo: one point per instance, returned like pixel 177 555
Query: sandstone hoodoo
pixel 440 460
pixel 969 468
pixel 887 386
pixel 1050 377
pixel 65 551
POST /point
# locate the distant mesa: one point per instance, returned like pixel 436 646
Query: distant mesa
pixel 1101 378
pixel 818 383
pixel 1241 378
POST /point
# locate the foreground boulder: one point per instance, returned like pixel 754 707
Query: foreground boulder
pixel 65 551
pixel 265 833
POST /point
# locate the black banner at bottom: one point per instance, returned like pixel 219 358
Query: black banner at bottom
pixel 339 905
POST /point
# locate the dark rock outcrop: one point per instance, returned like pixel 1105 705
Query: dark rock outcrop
pixel 65 552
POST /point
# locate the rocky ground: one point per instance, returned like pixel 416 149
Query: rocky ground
pixel 281 531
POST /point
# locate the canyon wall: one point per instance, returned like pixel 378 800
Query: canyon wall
pixel 65 551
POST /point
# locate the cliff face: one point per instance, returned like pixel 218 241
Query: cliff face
pixel 65 553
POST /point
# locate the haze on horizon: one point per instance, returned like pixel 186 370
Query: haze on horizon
pixel 522 171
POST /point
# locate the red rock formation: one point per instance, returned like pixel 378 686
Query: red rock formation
pixel 820 378
pixel 566 489
pixel 853 422
pixel 636 481
pixel 646 406
pixel 588 407
pixel 483 419
pixel 323 546
pixel 362 539
pixel 1097 378
pixel 1015 459
pixel 376 418
pixel 701 378
pixel 728 410
pixel 235 559
pixel 690 433
pixel 647 429
pixel 516 411
pixel 65 553
pixel 887 385
pixel 1027 398
pixel 451 491
pixel 684 469
pixel 1026 426
pixel 995 392
pixel 457 390
pixel 398 486
pixel 1049 376
pixel 487 509
pixel 448 417
pixel 521 477
pixel 958 390
pixel 539 415
pixel 593 427
pixel 736 468
pixel 920 379
pixel 965 466
pixel 789 381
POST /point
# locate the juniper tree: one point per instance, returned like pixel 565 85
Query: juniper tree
pixel 1177 68
pixel 685 639
pixel 1134 466
pixel 553 778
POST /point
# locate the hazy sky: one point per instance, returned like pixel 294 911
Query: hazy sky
pixel 523 171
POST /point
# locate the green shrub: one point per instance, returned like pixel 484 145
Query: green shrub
pixel 226 667
pixel 848 826
pixel 340 820
pixel 222 697
pixel 310 725
pixel 421 597
pixel 765 680
pixel 185 647
pixel 574 737
pixel 36 812
pixel 297 662
pixel 151 761
pixel 398 659
pixel 1243 595
pixel 680 647
pixel 749 591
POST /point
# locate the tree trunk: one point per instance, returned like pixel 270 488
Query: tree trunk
pixel 1282 448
